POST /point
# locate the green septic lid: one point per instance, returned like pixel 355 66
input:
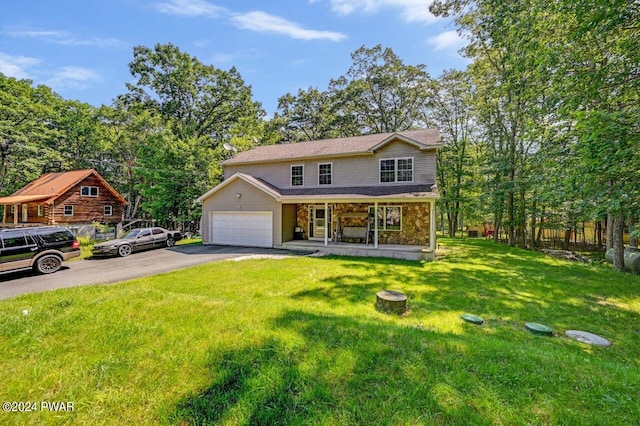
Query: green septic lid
pixel 540 329
pixel 472 319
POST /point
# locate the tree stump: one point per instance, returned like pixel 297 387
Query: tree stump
pixel 391 301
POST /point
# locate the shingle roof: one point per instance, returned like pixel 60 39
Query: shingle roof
pixel 52 185
pixel 424 139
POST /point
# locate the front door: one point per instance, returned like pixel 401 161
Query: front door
pixel 25 213
pixel 320 219
pixel 320 222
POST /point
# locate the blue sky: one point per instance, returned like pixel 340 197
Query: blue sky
pixel 82 48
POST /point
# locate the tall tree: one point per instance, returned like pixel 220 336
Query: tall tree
pixel 449 106
pixel 80 138
pixel 574 64
pixel 198 100
pixel 380 93
pixel 200 108
pixel 306 116
pixel 26 116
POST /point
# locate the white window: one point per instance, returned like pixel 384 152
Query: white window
pixel 68 210
pixel 40 211
pixel 324 174
pixel 108 210
pixel 297 175
pixel 389 217
pixel 396 170
pixel 89 191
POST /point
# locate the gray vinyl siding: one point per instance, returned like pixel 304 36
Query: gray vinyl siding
pixel 251 200
pixel 362 170
pixel 289 220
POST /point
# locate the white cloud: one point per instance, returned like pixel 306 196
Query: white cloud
pixel 263 22
pixel 447 41
pixel 17 66
pixel 66 38
pixel 410 10
pixel 72 77
pixel 69 77
pixel 229 58
pixel 191 8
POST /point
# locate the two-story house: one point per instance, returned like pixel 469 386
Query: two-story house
pixel 376 190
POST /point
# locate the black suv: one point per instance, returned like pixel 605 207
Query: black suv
pixel 42 248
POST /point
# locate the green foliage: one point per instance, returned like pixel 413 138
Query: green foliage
pixel 378 94
pixel 556 93
pixel 26 133
pixel 196 109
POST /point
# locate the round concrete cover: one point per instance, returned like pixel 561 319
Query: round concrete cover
pixel 472 318
pixel 540 329
pixel 588 338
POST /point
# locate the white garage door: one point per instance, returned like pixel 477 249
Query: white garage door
pixel 253 229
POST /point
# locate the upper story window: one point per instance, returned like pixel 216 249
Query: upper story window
pixel 396 170
pixel 89 191
pixel 297 175
pixel 324 174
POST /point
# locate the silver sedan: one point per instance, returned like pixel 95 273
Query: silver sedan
pixel 137 240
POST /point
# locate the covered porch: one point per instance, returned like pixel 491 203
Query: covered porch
pixel 400 226
pixel 393 251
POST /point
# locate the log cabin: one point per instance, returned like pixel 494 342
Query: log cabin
pixel 77 197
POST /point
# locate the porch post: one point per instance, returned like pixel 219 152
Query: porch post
pixel 375 225
pixel 432 225
pixel 15 214
pixel 326 224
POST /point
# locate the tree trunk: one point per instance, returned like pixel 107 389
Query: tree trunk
pixel 599 233
pixel 540 229
pixel 496 227
pixel 633 241
pixel 510 218
pixel 567 239
pixel 618 244
pixel 609 235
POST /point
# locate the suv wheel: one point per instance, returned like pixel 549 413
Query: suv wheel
pixel 124 250
pixel 48 264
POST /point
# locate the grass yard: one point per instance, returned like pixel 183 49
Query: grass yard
pixel 299 341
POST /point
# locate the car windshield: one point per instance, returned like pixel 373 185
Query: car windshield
pixel 132 234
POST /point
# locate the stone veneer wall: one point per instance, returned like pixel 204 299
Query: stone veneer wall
pixel 415 221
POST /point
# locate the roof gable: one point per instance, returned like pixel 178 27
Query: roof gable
pixel 358 145
pixel 259 184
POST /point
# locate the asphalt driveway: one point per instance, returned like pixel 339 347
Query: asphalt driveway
pixel 109 270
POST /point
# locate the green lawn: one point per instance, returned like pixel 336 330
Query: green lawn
pixel 299 341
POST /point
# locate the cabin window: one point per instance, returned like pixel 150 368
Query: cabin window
pixel 40 211
pixel 68 210
pixel 297 175
pixel 396 170
pixel 324 174
pixel 108 210
pixel 89 191
pixel 389 217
